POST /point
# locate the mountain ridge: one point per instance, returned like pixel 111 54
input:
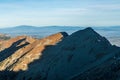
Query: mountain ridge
pixel 60 57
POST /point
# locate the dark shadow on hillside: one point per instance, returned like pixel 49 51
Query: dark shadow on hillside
pixel 109 74
pixel 11 75
pixel 13 48
pixel 8 75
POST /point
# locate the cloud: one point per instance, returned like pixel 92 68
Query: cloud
pixel 106 7
pixel 69 11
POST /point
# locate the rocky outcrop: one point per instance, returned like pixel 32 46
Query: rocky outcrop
pixel 15 41
pixel 20 59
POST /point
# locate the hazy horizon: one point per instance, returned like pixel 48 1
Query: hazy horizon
pixel 56 26
pixel 59 12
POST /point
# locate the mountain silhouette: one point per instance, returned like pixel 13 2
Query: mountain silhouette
pixel 83 55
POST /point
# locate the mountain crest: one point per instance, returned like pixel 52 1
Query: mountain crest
pixel 56 57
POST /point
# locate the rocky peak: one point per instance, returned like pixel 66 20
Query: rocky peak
pixel 64 34
pixel 86 37
pixel 87 33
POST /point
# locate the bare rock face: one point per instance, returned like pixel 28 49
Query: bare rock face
pixel 9 47
pixel 20 59
pixel 15 41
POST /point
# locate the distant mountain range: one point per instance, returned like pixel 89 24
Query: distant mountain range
pixel 47 30
pixel 37 31
pixel 112 32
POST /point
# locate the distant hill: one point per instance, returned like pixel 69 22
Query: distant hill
pixel 37 31
pixel 47 30
pixel 111 32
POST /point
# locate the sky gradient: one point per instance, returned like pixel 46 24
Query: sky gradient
pixel 59 12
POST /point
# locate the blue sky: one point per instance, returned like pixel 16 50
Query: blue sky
pixel 59 12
